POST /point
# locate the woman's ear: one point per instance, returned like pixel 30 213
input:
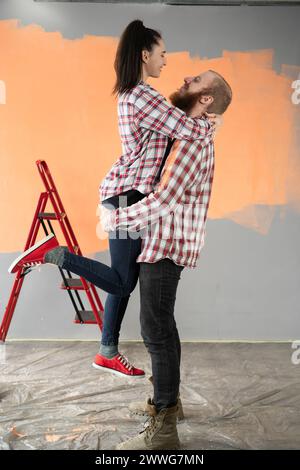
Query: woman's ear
pixel 145 56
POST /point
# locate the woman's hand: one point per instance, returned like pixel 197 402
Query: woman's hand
pixel 216 121
pixel 108 219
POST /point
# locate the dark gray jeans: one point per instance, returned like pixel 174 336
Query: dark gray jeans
pixel 158 286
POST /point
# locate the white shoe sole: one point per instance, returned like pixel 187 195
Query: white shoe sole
pixel 30 250
pixel 116 372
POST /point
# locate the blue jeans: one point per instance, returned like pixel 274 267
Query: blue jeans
pixel 120 279
pixel 158 287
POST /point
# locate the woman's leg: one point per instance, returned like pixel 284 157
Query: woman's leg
pixel 103 276
pixel 117 279
pixel 124 251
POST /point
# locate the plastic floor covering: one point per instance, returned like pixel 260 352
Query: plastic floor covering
pixel 235 396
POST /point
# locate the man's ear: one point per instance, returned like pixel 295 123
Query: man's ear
pixel 145 56
pixel 206 99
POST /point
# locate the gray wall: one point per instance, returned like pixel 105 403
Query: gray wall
pixel 246 285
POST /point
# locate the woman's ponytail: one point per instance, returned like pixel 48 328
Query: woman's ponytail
pixel 128 61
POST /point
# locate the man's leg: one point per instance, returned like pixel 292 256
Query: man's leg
pixel 158 286
pixel 178 345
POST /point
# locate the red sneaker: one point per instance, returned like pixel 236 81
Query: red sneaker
pixel 118 365
pixel 35 254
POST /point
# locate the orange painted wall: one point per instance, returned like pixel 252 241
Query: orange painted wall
pixel 59 108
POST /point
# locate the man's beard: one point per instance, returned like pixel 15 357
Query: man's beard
pixel 184 101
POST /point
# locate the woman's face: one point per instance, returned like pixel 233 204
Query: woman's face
pixel 155 60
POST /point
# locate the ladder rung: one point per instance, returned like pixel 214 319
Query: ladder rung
pixel 87 316
pixel 72 284
pixel 47 215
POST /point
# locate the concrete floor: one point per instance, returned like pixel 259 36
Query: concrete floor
pixel 235 396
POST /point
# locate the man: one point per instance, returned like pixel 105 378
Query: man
pixel 175 217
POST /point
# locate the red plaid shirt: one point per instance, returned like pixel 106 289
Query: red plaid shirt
pixel 146 120
pixel 174 216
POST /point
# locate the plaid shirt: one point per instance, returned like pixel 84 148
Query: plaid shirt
pixel 146 120
pixel 174 216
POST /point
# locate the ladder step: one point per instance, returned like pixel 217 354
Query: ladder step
pixel 47 215
pixel 72 284
pixel 87 316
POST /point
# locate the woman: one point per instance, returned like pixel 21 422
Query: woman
pixel 147 125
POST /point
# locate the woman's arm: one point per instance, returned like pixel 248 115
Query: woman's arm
pixel 153 112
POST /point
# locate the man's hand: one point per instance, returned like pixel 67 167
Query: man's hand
pixel 108 219
pixel 216 121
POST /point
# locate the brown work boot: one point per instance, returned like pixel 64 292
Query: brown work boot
pixel 160 433
pixel 147 408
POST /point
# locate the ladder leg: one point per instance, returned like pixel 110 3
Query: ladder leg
pixel 9 311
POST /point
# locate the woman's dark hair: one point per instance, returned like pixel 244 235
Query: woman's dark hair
pixel 128 62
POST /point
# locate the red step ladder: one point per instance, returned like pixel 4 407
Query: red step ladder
pixel 72 285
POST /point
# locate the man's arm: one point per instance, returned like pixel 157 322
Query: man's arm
pixel 180 171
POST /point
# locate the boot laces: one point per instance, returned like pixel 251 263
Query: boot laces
pixel 125 362
pixel 150 426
